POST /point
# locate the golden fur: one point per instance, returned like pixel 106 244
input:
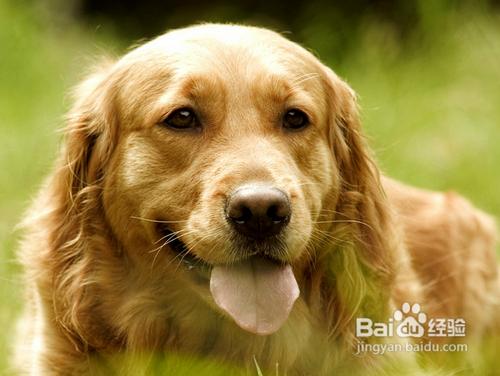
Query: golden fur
pixel 100 280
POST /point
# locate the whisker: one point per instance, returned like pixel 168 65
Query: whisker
pixel 162 246
pixel 345 221
pixel 328 235
pixel 189 249
pixel 171 238
pixel 184 231
pixel 329 211
pixel 183 254
pixel 157 221
pixel 155 256
pixel 219 232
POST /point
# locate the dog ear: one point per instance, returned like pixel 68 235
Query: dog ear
pixel 362 262
pixel 90 131
pixel 76 220
pixel 351 153
pixel 361 192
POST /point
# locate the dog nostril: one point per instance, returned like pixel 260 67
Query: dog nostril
pixel 241 215
pixel 275 214
pixel 258 212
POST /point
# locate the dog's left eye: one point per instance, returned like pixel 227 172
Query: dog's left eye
pixel 182 119
pixel 295 119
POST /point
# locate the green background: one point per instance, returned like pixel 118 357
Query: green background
pixel 430 98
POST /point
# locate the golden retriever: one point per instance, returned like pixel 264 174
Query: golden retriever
pixel 215 197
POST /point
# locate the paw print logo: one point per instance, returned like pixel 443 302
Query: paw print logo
pixel 410 324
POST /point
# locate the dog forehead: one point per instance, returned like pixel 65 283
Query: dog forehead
pixel 226 48
pixel 211 61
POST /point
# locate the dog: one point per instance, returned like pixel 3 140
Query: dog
pixel 215 197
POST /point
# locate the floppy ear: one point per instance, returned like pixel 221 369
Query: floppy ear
pixel 361 262
pixel 75 221
pixel 353 156
pixel 90 131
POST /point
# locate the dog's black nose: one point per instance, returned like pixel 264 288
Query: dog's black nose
pixel 258 212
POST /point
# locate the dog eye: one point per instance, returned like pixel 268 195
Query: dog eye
pixel 183 118
pixel 295 119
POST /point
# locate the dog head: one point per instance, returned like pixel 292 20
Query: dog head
pixel 227 157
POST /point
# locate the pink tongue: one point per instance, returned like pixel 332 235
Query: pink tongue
pixel 258 294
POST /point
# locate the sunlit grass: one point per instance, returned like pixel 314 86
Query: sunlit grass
pixel 38 64
pixel 431 106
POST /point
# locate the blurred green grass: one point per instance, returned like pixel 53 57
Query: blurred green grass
pixel 431 107
pixel 38 63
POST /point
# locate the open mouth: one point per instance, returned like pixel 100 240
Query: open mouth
pixel 257 293
pixel 270 249
pixel 183 254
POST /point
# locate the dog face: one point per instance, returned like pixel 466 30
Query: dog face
pixel 224 119
pixel 223 148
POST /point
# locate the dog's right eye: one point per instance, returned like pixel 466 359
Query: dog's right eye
pixel 182 119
